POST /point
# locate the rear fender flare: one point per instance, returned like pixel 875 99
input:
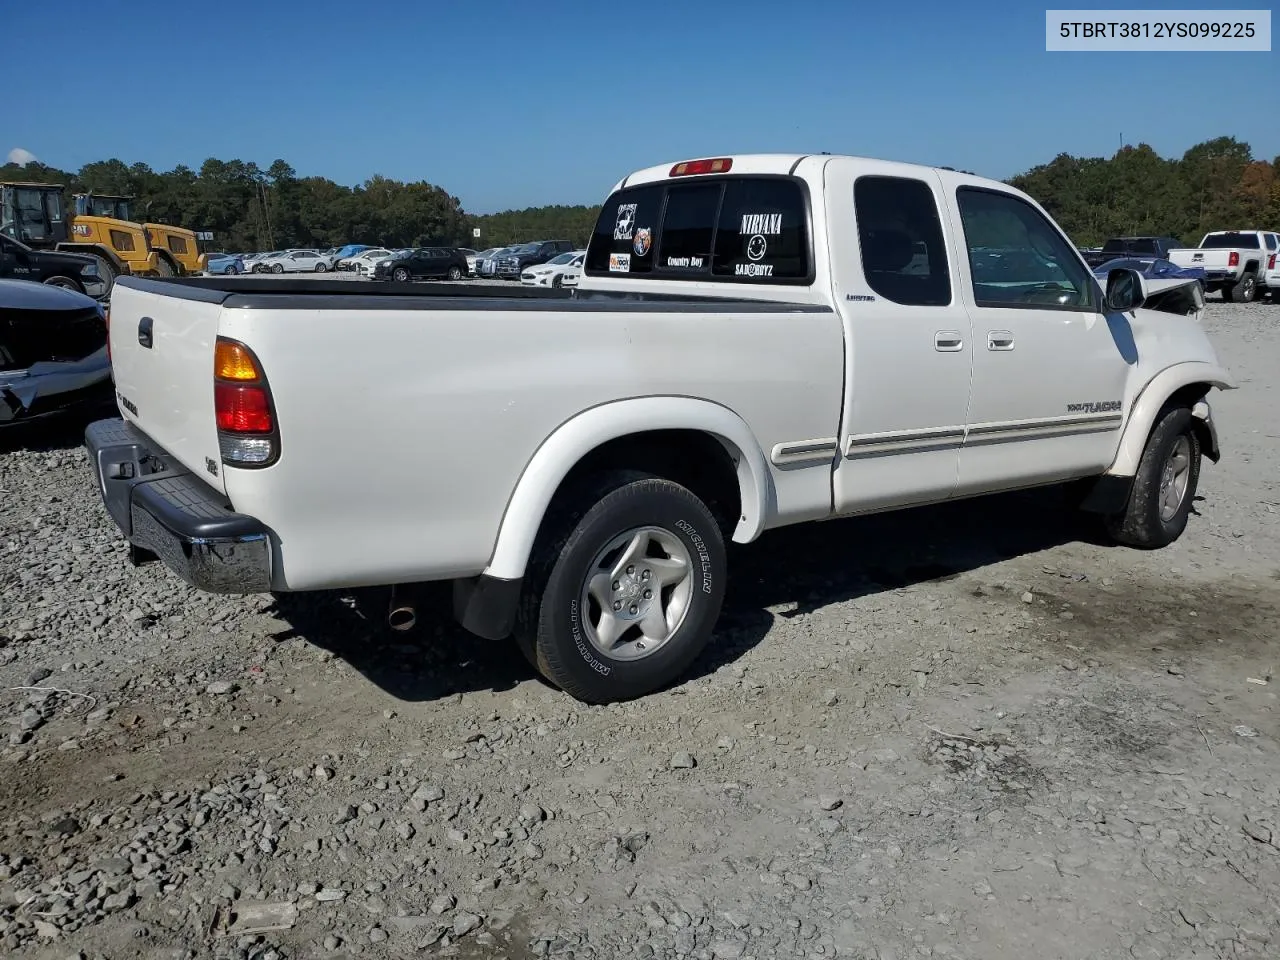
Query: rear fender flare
pixel 1153 398
pixel 578 436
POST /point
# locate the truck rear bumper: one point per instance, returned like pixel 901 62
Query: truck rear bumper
pixel 164 509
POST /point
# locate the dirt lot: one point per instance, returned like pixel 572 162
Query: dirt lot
pixel 966 732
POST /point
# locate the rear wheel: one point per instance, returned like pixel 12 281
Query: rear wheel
pixel 66 283
pixel 455 272
pixel 321 267
pixel 164 268
pixel 1243 292
pixel 232 270
pixel 623 589
pixel 1164 486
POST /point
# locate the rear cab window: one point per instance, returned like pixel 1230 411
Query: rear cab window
pixel 730 229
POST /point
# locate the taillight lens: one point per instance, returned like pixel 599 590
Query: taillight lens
pixel 1271 262
pixel 1233 260
pixel 242 409
pixel 247 433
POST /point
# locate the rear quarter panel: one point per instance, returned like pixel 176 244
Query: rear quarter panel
pixel 405 431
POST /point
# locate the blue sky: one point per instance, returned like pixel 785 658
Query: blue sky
pixel 518 104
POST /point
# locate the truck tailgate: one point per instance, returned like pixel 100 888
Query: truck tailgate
pixel 1210 258
pixel 162 359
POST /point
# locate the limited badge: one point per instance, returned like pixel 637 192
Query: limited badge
pixel 626 221
pixel 619 263
pixel 644 240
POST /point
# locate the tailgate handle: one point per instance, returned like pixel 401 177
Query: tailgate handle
pixel 144 331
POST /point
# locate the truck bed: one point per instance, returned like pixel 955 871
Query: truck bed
pixel 388 295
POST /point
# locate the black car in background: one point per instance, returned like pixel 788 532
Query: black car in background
pixel 1155 248
pixel 53 352
pixel 422 263
pixel 73 271
pixel 522 256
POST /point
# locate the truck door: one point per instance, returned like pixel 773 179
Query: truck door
pixel 1049 366
pixel 908 343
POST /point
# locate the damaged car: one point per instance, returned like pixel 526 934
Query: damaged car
pixel 1165 285
pixel 53 352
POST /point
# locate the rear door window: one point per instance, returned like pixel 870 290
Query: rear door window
pixel 729 229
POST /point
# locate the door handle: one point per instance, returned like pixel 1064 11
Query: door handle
pixel 144 331
pixel 999 340
pixel 948 341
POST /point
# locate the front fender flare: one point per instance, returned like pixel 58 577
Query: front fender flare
pixel 1152 398
pixel 578 436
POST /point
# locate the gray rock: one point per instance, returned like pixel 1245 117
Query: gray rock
pixel 405 831
pixel 464 923
pixel 532 813
pixel 728 949
pixel 221 688
pixel 40 673
pixel 443 904
pixel 329 895
pixel 798 880
pixel 31 720
pixel 830 803
pixel 683 761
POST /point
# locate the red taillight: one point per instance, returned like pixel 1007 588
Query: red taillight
pixel 1271 262
pixel 1234 259
pixel 242 409
pixel 691 167
pixel 247 434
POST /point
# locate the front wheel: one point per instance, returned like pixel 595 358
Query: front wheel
pixel 321 268
pixel 623 589
pixel 455 273
pixel 277 268
pixel 232 270
pixel 164 268
pixel 1164 487
pixel 400 274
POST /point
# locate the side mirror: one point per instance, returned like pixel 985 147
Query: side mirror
pixel 1124 290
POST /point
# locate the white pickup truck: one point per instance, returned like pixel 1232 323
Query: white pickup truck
pixel 755 341
pixel 1237 262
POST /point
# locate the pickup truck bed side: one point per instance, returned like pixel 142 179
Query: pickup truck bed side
pixel 470 391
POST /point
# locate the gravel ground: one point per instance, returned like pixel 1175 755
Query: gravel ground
pixel 963 732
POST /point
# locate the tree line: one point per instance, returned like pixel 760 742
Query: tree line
pixel 1214 185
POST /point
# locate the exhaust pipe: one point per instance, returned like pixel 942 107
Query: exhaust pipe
pixel 401 615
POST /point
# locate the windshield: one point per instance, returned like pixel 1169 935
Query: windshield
pixel 1113 246
pixel 526 248
pixel 563 258
pixel 1218 241
pixel 109 207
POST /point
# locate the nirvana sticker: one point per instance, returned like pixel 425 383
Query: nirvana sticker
pixel 644 240
pixel 766 223
pixel 756 227
pixel 753 269
pixel 694 262
pixel 626 221
pixel 619 263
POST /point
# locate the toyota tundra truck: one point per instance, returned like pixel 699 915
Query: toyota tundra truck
pixel 1235 262
pixel 755 341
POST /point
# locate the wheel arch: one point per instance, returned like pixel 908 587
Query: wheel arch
pixel 600 438
pixel 1183 384
pixel 96 249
